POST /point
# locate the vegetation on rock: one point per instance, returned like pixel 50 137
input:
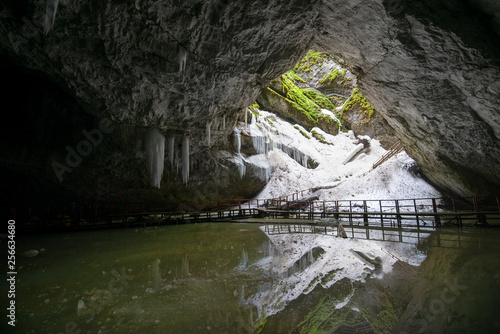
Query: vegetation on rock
pixel 312 58
pixel 358 99
pixel 301 101
pixel 332 76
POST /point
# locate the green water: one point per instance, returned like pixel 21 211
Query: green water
pixel 172 279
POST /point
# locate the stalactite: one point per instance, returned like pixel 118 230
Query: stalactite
pixel 155 155
pixel 185 159
pixel 182 58
pixel 50 15
pixel 237 140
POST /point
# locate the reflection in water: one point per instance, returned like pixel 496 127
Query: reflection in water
pixel 232 278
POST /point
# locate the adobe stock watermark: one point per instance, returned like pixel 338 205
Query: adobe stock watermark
pixel 84 148
pixel 438 305
pixel 116 285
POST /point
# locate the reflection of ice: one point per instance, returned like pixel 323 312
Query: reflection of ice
pixel 243 261
pixel 298 266
pixel 185 266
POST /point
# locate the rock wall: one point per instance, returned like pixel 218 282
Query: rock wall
pixel 430 68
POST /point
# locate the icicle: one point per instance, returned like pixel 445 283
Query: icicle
pixel 259 144
pixel 209 125
pixel 223 122
pixel 246 117
pixel 171 147
pixel 50 15
pixel 253 120
pixel 185 159
pixel 243 260
pixel 237 140
pixel 242 169
pixel 182 58
pixel 155 155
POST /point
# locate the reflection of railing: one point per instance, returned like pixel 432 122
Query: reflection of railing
pixel 429 237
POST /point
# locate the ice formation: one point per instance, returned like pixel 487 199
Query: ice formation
pixel 171 151
pixel 353 152
pixel 50 15
pixel 298 271
pixel 246 117
pixel 259 143
pixel 237 140
pixel 223 122
pixel 182 59
pixel 240 162
pixel 332 115
pixel 185 159
pixel 155 155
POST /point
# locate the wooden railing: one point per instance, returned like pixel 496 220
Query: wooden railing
pixel 399 212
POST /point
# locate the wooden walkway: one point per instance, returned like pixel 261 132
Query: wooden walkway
pixel 417 213
pixel 393 150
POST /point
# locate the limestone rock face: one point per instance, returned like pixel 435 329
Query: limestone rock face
pixel 423 68
pixel 429 67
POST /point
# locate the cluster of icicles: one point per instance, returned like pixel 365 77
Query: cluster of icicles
pixel 263 143
pixel 155 156
pixel 261 139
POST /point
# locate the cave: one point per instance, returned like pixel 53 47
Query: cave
pixel 429 77
pixel 94 88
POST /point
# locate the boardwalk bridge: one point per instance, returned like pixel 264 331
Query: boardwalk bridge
pixel 422 213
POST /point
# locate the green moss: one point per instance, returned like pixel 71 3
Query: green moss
pixel 332 76
pixel 384 318
pixel 294 76
pixel 361 101
pixel 261 321
pixel 325 317
pixel 255 105
pixel 302 102
pixel 319 99
pixel 270 122
pixel 345 80
pixel 302 131
pixel 319 137
pixel 311 59
pixel 330 276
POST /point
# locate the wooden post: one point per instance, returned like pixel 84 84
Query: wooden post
pixel 437 219
pixel 416 213
pixel 398 216
pixel 365 215
pixel 381 214
pixel 350 215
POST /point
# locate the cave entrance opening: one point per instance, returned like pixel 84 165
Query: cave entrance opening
pixel 317 131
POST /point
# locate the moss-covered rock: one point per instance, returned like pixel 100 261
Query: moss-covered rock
pixel 360 116
pixel 271 100
pixel 332 77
